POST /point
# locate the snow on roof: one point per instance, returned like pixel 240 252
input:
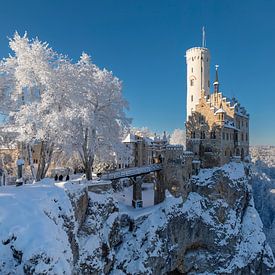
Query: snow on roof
pixel 147 140
pixel 130 138
pixel 230 124
pixel 220 111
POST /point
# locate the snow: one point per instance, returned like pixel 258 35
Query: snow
pixel 30 214
pixel 130 138
pixel 220 111
pixel 233 170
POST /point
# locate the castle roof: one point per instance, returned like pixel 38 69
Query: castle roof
pixel 130 138
pixel 220 111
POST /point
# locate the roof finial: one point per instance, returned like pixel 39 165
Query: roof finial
pixel 203 38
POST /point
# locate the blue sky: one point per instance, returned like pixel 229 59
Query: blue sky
pixel 144 42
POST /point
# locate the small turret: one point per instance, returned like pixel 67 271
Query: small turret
pixel 221 113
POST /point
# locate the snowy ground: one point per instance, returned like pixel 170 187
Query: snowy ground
pixel 31 221
pixel 126 196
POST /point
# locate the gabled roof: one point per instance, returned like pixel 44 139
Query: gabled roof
pixel 130 138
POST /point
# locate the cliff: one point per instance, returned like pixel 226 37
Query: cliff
pixel 212 228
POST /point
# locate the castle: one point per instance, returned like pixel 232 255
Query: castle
pixel 217 128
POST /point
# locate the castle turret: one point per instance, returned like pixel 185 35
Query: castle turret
pixel 198 75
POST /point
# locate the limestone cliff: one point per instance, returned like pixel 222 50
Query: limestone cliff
pixel 212 228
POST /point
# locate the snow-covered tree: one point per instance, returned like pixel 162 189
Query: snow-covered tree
pixel 61 105
pixel 38 82
pixel 142 131
pixel 97 119
pixel 178 137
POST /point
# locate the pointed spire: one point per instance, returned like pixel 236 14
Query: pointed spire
pixel 216 83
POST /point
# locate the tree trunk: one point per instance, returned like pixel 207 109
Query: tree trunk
pixel 86 156
pixel 88 169
pixel 41 163
pixel 31 161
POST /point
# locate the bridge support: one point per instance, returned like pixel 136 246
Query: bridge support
pixel 137 192
pixel 159 188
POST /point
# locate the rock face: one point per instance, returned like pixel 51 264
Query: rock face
pixel 263 184
pixel 264 197
pixel 213 228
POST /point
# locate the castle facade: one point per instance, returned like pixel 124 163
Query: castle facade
pixel 217 127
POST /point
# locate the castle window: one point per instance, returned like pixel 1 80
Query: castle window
pixel 202 135
pixel 242 136
pixel 246 137
pixel 223 135
pixel 191 82
pixel 213 135
pixel 193 135
pixel 192 98
pixel 227 136
pixel 192 69
pixel 208 83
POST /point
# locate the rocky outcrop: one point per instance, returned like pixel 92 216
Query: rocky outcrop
pixel 213 228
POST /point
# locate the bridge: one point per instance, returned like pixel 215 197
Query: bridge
pixel 131 172
pixel 136 175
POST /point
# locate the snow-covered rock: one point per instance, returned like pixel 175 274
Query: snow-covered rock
pixel 213 229
pixel 38 227
pixel 263 183
pixel 49 228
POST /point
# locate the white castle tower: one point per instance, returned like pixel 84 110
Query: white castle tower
pixel 198 74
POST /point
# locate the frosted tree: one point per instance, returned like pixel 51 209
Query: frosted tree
pixel 62 106
pixel 37 73
pixel 142 131
pixel 178 137
pixel 97 119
